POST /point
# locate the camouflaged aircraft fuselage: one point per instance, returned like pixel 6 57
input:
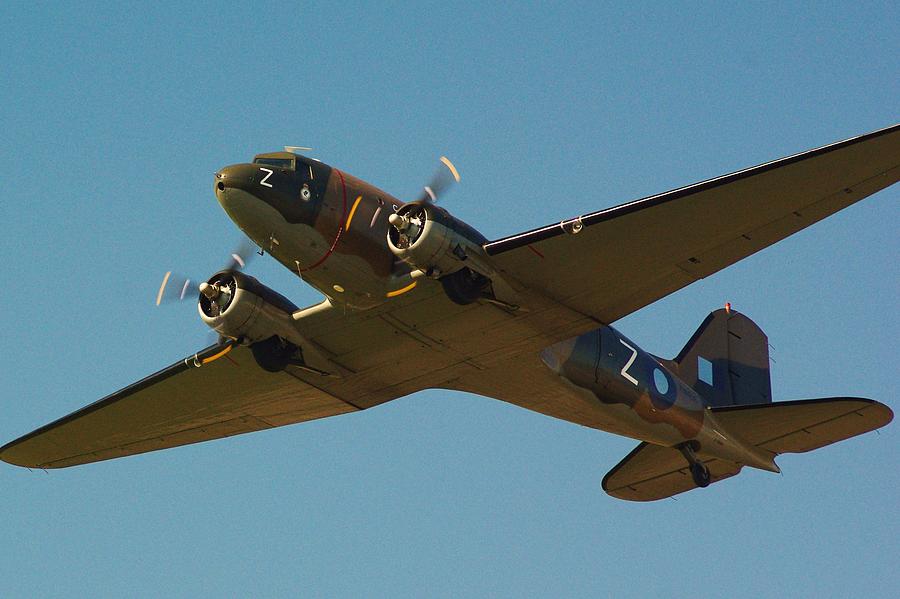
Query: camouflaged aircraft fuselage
pixel 325 225
pixel 645 398
pixel 329 228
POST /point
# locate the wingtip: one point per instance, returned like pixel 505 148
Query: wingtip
pixel 8 455
pixel 16 453
pixel 885 412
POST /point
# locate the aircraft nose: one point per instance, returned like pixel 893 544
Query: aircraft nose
pixel 237 190
pixel 236 184
pixel 238 176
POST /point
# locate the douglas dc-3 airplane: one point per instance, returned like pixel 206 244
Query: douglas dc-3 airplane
pixel 417 299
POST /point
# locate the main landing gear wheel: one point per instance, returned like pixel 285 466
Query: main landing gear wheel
pixel 700 474
pixel 699 470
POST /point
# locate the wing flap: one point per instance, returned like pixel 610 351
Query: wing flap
pixel 653 472
pixel 803 425
pixel 179 405
pixel 610 263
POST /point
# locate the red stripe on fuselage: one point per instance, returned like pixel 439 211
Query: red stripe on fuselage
pixel 340 228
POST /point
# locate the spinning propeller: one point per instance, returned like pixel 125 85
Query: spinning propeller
pixel 175 287
pixel 410 219
pixel 442 180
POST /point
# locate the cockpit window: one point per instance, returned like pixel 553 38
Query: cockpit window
pixel 277 162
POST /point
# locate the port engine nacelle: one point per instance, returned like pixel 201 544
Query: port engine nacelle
pixel 428 238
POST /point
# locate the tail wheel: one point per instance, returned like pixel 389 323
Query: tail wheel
pixel 700 474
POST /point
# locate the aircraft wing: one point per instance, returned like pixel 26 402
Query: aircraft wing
pixel 610 263
pixel 218 392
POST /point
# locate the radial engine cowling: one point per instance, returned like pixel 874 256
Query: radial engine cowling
pixel 429 239
pixel 238 306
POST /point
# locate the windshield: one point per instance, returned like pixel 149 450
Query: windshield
pixel 279 162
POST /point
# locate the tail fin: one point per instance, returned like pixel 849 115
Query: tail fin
pixel 727 361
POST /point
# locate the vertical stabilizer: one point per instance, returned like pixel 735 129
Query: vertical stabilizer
pixel 727 361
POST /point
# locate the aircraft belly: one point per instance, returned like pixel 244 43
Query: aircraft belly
pixel 309 253
pixel 532 386
pixel 645 423
pixel 528 383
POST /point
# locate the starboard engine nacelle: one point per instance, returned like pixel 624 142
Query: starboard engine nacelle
pixel 238 306
pixel 430 240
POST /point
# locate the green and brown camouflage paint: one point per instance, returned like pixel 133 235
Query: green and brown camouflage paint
pixel 646 399
pixel 327 226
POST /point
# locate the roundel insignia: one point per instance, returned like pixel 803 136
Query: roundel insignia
pixel 665 392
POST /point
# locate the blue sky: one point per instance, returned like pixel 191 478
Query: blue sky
pixel 115 118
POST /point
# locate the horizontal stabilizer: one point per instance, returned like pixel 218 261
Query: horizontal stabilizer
pixel 803 425
pixel 652 472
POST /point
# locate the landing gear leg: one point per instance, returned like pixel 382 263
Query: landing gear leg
pixel 464 286
pixel 699 470
pixel 273 354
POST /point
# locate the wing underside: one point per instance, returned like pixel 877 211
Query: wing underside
pixel 207 396
pixel 610 263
